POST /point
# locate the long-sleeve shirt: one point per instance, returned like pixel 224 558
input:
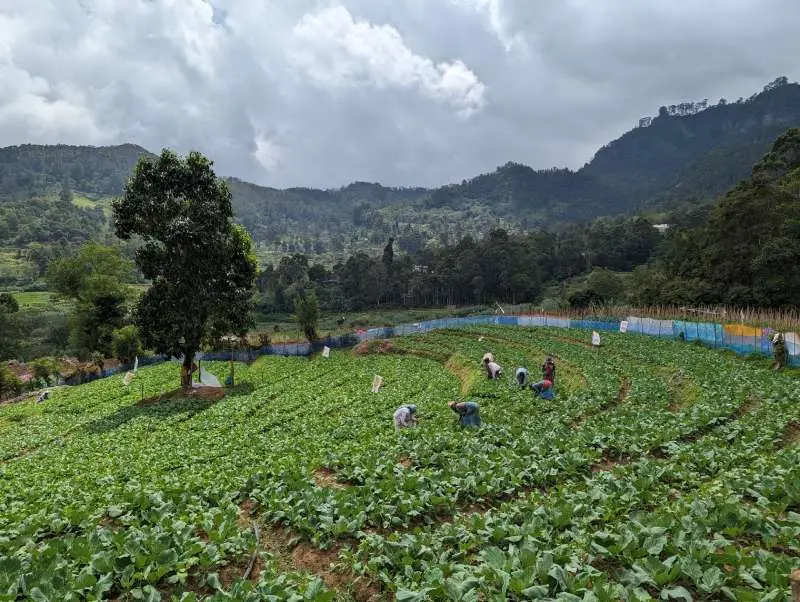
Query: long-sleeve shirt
pixel 403 418
pixel 468 413
pixel 494 369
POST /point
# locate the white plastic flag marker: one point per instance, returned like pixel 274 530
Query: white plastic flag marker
pixel 126 380
pixel 136 364
pixel 595 338
pixel 623 326
pixel 326 351
pixel 377 383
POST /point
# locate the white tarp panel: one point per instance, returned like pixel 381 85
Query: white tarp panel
pixel 650 326
pixel 792 343
pixel 207 379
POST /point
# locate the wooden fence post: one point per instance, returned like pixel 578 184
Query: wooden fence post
pixel 794 577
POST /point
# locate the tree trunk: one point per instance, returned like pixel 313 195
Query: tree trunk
pixel 186 371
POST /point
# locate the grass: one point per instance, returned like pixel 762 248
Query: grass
pixel 84 202
pixel 41 301
pixel 282 328
pixel 15 266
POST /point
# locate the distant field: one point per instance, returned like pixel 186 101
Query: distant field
pixel 40 300
pixel 85 202
pixel 13 266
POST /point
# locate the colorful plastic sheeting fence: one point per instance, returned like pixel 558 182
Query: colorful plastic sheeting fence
pixel 657 328
pixel 736 337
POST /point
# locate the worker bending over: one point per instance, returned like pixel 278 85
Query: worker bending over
pixel 493 370
pixel 468 412
pixel 543 389
pixel 522 377
pixel 549 369
pixel 405 417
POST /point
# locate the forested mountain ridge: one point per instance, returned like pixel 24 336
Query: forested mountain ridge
pixel 687 150
pixel 31 170
pixel 687 153
pixel 696 149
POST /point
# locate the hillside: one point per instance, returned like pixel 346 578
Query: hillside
pixel 33 170
pixel 687 153
pixel 656 473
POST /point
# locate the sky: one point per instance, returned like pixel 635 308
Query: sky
pixel 321 93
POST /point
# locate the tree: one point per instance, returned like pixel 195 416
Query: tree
pixel 201 264
pixel 126 344
pixel 9 383
pixel 93 276
pixel 65 195
pixel 388 254
pixel 44 368
pixel 306 313
pixel 9 326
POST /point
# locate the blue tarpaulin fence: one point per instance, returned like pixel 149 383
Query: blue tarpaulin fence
pixel 707 333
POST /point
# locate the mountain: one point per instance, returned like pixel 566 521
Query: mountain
pixel 694 150
pixel 32 170
pixel 687 150
pixel 745 251
pixel 687 153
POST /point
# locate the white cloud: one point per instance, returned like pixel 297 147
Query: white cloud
pixel 494 13
pixel 324 92
pixel 333 49
pixel 266 153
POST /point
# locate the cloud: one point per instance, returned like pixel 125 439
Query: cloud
pixel 333 49
pixel 414 92
pixel 493 12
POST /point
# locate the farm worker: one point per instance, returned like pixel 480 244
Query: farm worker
pixel 549 369
pixel 493 370
pixel 487 357
pixel 43 396
pixel 779 351
pixel 405 417
pixel 468 412
pixel 543 389
pixel 522 376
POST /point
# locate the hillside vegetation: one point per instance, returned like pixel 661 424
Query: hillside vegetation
pixel 661 470
pixel 687 153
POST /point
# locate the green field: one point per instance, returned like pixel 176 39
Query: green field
pixel 40 300
pixel 14 266
pixel 84 202
pixel 661 471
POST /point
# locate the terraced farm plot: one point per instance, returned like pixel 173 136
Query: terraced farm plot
pixel 660 471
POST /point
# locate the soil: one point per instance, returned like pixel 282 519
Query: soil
pixel 325 477
pixel 748 406
pixel 791 435
pixel 608 462
pixel 214 393
pixel 372 347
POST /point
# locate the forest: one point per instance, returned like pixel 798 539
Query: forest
pixel 55 197
pixel 740 250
